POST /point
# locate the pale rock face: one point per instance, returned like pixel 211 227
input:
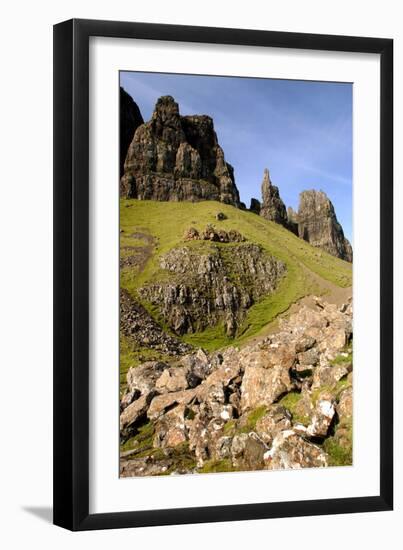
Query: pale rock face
pixel 318 225
pixel 177 158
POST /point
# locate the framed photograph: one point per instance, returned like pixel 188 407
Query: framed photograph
pixel 223 318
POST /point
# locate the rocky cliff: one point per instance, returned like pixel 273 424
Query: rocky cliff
pixel 272 207
pixel 177 158
pixel 318 225
pixel 201 286
pixel 282 403
pixel 130 120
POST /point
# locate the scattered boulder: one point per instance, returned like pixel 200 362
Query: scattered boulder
pixel 220 216
pixel 191 234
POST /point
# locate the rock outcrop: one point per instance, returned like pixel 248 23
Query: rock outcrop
pixel 272 207
pixel 130 120
pixel 284 402
pixel 318 225
pixel 209 284
pixel 177 158
pixel 255 206
pixel 292 223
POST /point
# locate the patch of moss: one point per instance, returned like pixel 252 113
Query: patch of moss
pixel 290 402
pixel 340 455
pixel 142 441
pixel 229 427
pixel 342 358
pixel 335 390
pixel 253 418
pixel 183 459
pixel 217 466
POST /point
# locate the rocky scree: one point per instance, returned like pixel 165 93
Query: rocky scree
pixel 284 402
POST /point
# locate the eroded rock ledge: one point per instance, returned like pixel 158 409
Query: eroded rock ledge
pixel 202 287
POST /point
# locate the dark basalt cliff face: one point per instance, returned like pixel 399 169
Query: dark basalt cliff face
pixel 272 207
pixel 130 120
pixel 203 287
pixel 318 225
pixel 177 158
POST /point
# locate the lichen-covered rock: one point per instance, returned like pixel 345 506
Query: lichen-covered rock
pixel 170 430
pixel 272 207
pixel 344 407
pixel 211 285
pixel 277 419
pixel 247 451
pixel 318 225
pixel 322 416
pixel 176 158
pixel 144 377
pixel 262 386
pixel 291 451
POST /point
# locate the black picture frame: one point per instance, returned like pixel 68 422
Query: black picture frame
pixel 71 274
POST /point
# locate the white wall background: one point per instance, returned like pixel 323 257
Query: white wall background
pixel 26 270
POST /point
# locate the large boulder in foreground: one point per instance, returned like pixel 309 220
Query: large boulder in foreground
pixel 177 158
pixel 318 225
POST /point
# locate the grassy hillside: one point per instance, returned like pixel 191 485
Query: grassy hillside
pixel 166 223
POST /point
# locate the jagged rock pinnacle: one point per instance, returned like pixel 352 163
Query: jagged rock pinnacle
pixel 272 208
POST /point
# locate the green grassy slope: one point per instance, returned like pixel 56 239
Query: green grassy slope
pixel 167 222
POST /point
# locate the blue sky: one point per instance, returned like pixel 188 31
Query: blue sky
pixel 301 131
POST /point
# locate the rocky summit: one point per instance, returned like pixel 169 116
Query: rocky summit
pixel 282 402
pixel 318 225
pixel 177 158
